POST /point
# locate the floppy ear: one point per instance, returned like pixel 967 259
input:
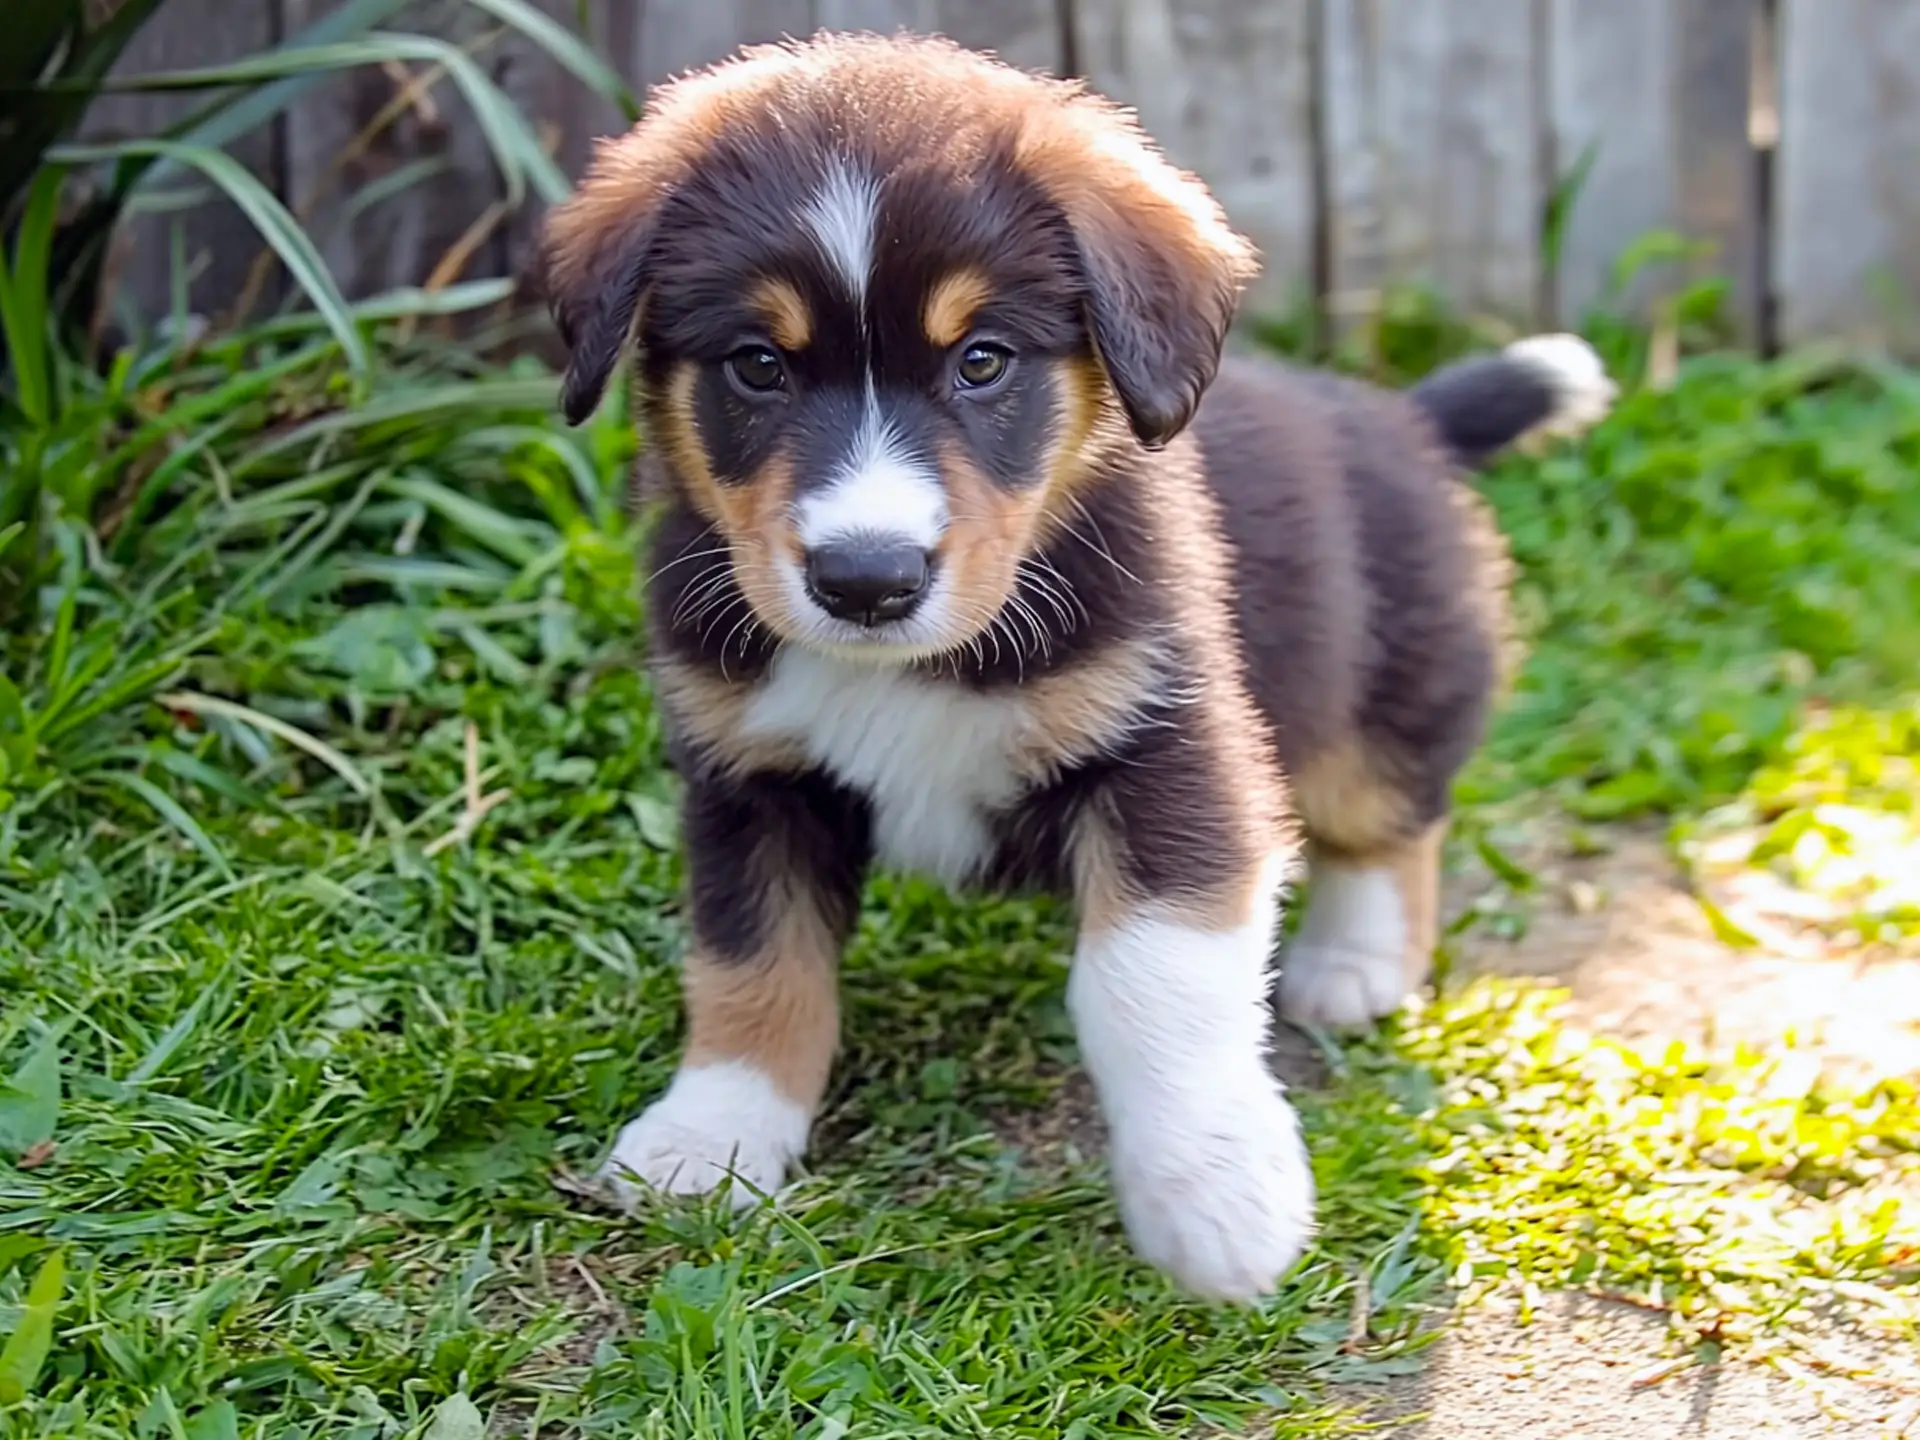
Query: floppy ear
pixel 1163 267
pixel 593 262
pixel 596 245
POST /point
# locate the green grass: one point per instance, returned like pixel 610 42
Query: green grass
pixel 1752 1205
pixel 301 1062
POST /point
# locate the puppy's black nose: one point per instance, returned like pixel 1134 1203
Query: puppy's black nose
pixel 866 580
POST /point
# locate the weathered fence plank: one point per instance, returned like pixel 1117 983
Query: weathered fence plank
pixel 677 35
pixel 390 203
pixel 1026 33
pixel 1658 93
pixel 218 241
pixel 1227 89
pixel 1847 215
pixel 1433 155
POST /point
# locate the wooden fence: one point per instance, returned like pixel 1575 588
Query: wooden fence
pixel 1360 142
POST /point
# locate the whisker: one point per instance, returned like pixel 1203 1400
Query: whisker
pixel 1037 582
pixel 698 596
pixel 727 644
pixel 706 630
pixel 1066 589
pixel 1042 636
pixel 684 557
pixel 1104 551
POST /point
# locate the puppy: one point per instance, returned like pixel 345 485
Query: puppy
pixel 965 562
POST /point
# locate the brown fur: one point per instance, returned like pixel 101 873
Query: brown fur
pixel 789 321
pixel 1417 873
pixel 1353 806
pixel 779 1009
pixel 952 304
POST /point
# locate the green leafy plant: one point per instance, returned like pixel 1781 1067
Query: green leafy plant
pixel 50 274
pixel 72 71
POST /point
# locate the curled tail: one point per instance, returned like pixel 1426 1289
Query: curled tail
pixel 1542 385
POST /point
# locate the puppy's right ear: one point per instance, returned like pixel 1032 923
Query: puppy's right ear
pixel 594 253
pixel 597 245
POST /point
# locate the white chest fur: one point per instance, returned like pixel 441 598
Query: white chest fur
pixel 934 761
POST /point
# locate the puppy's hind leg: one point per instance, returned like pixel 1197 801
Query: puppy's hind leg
pixel 1367 938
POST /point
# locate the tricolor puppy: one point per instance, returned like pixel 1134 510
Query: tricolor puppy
pixel 966 562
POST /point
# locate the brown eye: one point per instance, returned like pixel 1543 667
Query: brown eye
pixel 756 368
pixel 982 366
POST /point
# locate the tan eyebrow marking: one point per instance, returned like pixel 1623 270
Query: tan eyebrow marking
pixel 789 321
pixel 951 305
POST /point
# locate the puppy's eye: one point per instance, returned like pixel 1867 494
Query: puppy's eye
pixel 756 368
pixel 983 366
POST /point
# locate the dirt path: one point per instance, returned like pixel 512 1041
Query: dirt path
pixel 1619 929
pixel 1602 1371
pixel 1642 962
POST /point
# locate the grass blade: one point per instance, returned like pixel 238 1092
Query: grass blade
pixel 567 49
pixel 293 735
pixel 41 116
pixel 27 1348
pixel 37 34
pixel 169 810
pixel 196 771
pixel 515 148
pixel 505 535
pixel 23 299
pixel 170 1039
pixel 434 403
pixel 221 125
pixel 30 1101
pixel 406 302
pixel 62 643
pixel 57 720
pixel 563 448
pixel 270 217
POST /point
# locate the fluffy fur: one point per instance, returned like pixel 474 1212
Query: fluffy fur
pixel 972 557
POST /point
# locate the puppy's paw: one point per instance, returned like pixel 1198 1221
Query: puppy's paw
pixel 1338 987
pixel 716 1123
pixel 1218 1194
pixel 1346 967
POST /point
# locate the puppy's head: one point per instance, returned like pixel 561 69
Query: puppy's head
pixel 891 302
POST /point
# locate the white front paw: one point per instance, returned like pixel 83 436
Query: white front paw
pixel 715 1123
pixel 1339 988
pixel 1219 1194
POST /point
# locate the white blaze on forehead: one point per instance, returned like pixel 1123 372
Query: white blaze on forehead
pixel 841 217
pixel 881 489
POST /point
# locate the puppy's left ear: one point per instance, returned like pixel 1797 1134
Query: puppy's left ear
pixel 1162 265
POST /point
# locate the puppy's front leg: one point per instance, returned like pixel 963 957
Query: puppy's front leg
pixel 1169 994
pixel 774 867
